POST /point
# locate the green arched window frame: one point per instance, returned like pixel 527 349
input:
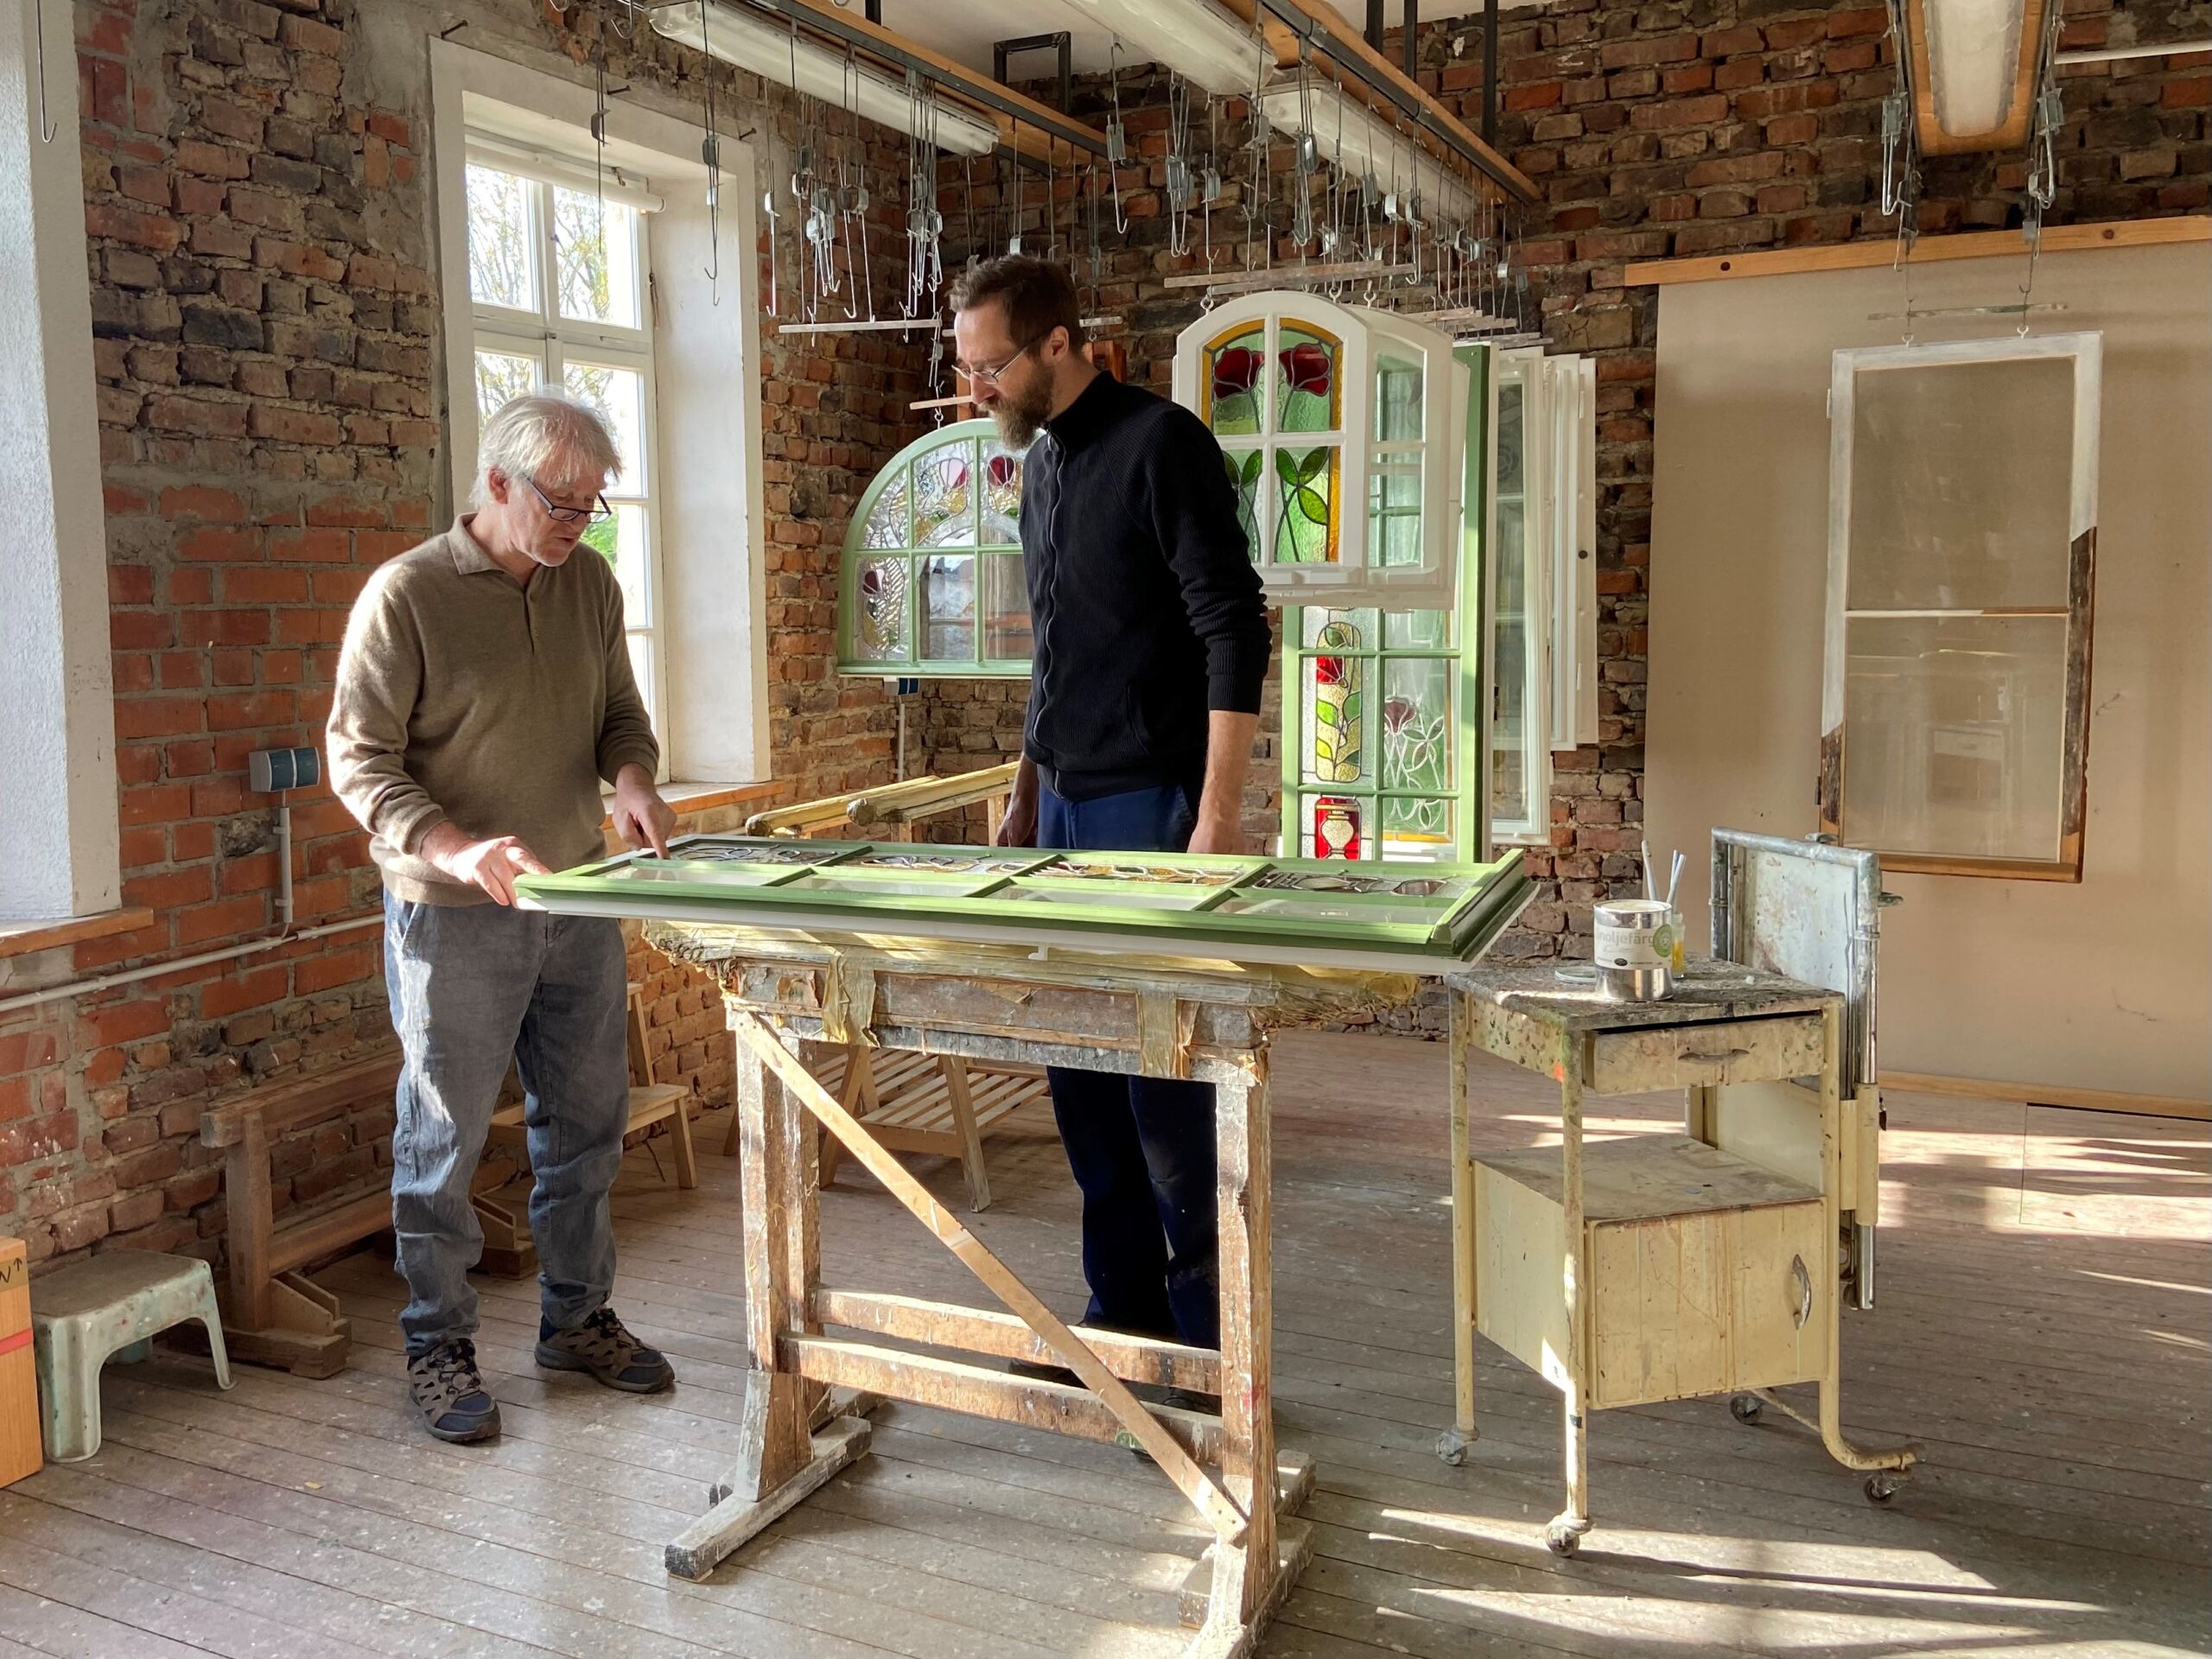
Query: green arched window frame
pixel 931 582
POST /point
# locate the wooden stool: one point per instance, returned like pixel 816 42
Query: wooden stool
pixel 650 1103
pixel 111 1306
pixel 922 1103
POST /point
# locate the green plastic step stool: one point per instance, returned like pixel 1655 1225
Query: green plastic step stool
pixel 110 1307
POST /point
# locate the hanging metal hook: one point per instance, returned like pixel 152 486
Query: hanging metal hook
pixel 47 127
pixel 1116 136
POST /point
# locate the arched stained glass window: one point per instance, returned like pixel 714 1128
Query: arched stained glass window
pixel 1342 430
pixel 931 574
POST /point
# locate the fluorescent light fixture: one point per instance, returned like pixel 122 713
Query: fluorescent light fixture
pixel 1974 64
pixel 766 49
pixel 1195 38
pixel 1348 132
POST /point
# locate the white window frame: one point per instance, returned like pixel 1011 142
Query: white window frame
pixel 707 469
pixel 1351 582
pixel 1558 499
pixel 554 340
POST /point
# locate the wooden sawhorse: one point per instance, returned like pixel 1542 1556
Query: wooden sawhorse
pixel 787 996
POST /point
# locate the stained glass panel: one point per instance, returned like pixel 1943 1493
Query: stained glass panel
pixel 595 259
pixel 1415 828
pixel 1309 379
pixel 887 519
pixel 1007 635
pixel 1245 467
pixel 948 608
pixel 1336 679
pixel 1397 400
pixel 944 507
pixel 1232 369
pixel 1417 723
pixel 880 610
pixel 1306 504
pixel 1002 495
pixel 498 239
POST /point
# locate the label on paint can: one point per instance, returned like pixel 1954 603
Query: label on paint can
pixel 1632 933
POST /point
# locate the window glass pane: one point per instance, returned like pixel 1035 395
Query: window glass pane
pixel 641 669
pixel 595 259
pixel 880 610
pixel 619 395
pixel 498 239
pixel 944 506
pixel 1232 382
pixel 1393 516
pixel 1954 734
pixel 1309 383
pixel 948 608
pixel 1306 504
pixel 1417 723
pixel 1509 399
pixel 1336 681
pixel 1002 495
pixel 887 519
pixel 1420 828
pixel 1364 628
pixel 1417 630
pixel 1509 710
pixel 1332 826
pixel 1245 467
pixel 1960 484
pixel 1005 609
pixel 620 541
pixel 500 376
pixel 1397 400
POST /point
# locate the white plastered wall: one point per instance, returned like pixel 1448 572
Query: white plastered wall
pixel 57 740
pixel 2103 985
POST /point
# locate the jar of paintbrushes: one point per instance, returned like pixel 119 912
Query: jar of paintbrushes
pixel 1636 943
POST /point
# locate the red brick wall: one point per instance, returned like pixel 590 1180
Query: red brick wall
pixel 267 349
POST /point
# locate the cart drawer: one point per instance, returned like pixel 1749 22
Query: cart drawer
pixel 1727 1050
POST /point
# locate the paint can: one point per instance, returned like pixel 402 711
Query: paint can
pixel 1633 945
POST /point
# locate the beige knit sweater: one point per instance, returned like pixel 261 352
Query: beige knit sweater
pixel 465 695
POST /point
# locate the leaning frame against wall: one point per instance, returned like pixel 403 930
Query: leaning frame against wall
pixel 1962 511
pixel 931 582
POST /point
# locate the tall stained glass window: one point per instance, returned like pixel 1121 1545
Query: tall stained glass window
pixel 933 582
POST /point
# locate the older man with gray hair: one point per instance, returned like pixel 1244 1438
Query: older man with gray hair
pixel 484 693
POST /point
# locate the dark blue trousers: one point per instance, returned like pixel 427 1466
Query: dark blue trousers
pixel 1141 1148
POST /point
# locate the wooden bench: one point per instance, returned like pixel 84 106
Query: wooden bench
pixel 651 1102
pixel 273 1314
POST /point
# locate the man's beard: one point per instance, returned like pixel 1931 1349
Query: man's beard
pixel 1020 419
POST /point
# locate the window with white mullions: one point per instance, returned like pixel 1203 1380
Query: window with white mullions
pixel 560 291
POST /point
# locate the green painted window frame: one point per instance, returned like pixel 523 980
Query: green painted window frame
pixel 911 665
pixel 1470 828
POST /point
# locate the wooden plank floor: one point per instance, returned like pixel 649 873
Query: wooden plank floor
pixel 2043 1329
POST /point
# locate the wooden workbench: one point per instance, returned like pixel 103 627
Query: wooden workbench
pixel 789 995
pixel 1661 1267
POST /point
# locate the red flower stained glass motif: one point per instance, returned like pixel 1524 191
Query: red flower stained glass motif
pixel 1336 827
pixel 1004 469
pixel 1396 712
pixel 1235 372
pixel 1306 368
pixel 1328 671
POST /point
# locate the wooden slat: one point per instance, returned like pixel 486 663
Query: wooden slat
pixel 2088 1100
pixel 284 1106
pixel 297 1244
pixel 941 1325
pixel 21 938
pixel 1975 245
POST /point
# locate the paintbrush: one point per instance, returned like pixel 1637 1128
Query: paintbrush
pixel 1648 892
pixel 1673 876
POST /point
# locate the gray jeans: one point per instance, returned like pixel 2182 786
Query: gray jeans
pixel 473 987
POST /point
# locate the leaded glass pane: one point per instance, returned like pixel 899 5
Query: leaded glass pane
pixel 501 375
pixel 1245 467
pixel 595 259
pixel 1417 723
pixel 1317 620
pixel 1332 826
pixel 1397 400
pixel 1309 380
pixel 1417 630
pixel 880 610
pixel 498 239
pixel 1394 515
pixel 1335 680
pixel 1005 608
pixel 1306 504
pixel 948 608
pixel 1419 827
pixel 944 505
pixel 1232 382
pixel 887 519
pixel 1002 495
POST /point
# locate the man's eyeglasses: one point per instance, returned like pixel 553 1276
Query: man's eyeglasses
pixel 598 513
pixel 992 376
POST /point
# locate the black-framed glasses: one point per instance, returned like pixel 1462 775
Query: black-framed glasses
pixel 991 377
pixel 598 513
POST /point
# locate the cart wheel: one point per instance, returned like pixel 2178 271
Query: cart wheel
pixel 1452 1448
pixel 1883 1485
pixel 1746 1407
pixel 1564 1537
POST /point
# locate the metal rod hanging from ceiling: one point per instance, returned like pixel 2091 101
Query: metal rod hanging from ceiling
pixel 1490 72
pixel 1411 32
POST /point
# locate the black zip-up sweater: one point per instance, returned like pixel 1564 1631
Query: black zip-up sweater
pixel 1146 609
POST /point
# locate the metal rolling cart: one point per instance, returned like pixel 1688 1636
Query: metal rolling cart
pixel 1665 1266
